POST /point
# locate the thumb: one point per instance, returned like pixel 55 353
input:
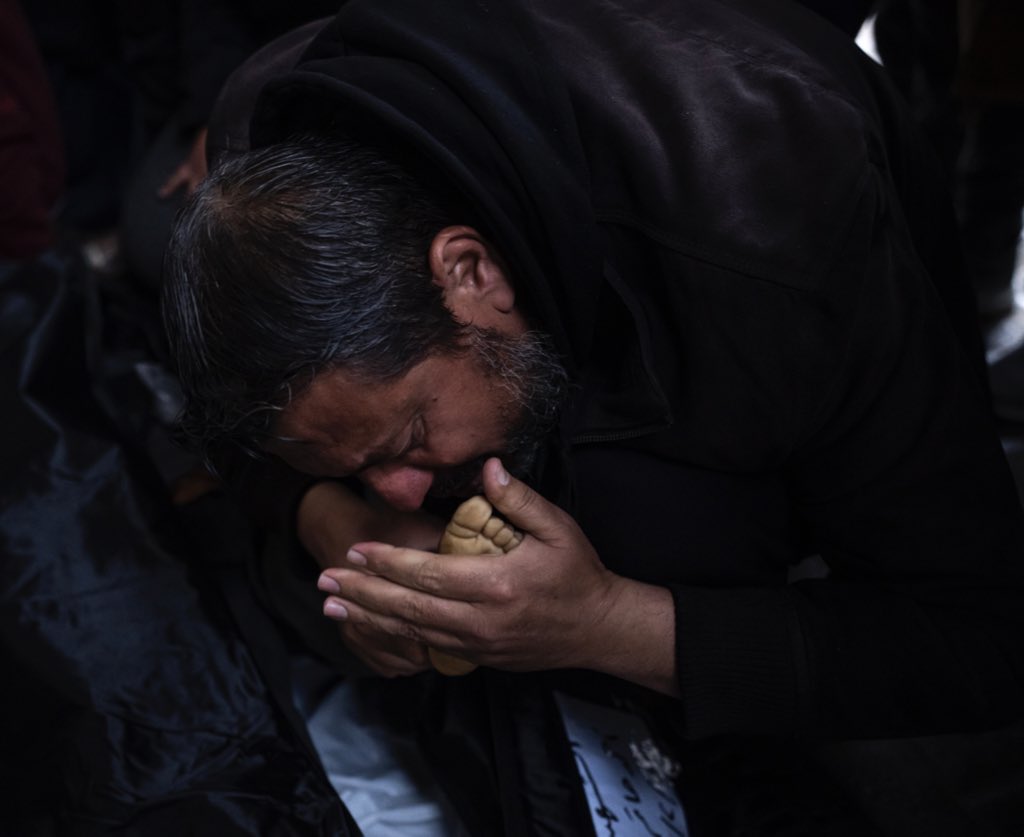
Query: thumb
pixel 519 504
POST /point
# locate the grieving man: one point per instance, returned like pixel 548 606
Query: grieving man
pixel 675 288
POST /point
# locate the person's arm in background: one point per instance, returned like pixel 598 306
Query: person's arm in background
pixel 190 173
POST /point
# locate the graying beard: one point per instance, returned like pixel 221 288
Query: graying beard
pixel 528 368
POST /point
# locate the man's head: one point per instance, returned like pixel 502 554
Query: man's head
pixel 311 284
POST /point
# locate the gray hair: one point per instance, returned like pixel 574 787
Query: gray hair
pixel 292 259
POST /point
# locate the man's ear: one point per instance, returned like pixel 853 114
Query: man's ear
pixel 475 282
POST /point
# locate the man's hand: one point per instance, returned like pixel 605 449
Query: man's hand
pixel 549 603
pixel 330 519
pixel 387 656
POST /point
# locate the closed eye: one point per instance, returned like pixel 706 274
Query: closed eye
pixel 417 436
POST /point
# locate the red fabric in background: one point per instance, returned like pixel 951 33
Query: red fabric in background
pixel 31 156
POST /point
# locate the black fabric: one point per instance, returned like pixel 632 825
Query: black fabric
pixel 848 15
pixel 754 271
pixel 131 705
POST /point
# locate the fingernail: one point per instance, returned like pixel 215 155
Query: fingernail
pixel 356 558
pixel 502 475
pixel 335 609
pixel 328 584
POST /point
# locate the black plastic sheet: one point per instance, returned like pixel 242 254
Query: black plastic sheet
pixel 131 704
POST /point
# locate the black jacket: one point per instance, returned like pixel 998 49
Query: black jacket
pixel 718 211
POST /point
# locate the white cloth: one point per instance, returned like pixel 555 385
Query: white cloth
pixel 375 768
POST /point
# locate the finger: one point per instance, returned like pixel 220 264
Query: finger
pixel 389 632
pixel 377 605
pixel 387 664
pixel 523 507
pixel 386 655
pixel 471 578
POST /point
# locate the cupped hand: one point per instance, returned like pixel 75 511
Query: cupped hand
pixel 543 605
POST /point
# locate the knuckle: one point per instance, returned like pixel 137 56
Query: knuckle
pixel 492 638
pixel 503 590
pixel 409 631
pixel 428 576
pixel 503 582
pixel 418 610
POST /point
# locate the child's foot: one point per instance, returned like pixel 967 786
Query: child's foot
pixel 473 530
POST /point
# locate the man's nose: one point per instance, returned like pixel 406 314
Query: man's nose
pixel 400 486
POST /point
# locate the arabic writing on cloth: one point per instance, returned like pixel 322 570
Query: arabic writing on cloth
pixel 626 778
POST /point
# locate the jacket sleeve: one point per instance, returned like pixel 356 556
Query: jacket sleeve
pixel 898 481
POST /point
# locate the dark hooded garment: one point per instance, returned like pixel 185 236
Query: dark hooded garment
pixel 724 218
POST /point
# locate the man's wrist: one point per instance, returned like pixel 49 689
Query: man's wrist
pixel 636 640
